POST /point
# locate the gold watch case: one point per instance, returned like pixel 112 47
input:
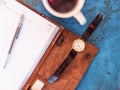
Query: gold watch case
pixel 78 45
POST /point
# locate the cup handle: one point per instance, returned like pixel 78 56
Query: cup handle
pixel 80 18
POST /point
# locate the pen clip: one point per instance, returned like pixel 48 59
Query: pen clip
pixel 19 26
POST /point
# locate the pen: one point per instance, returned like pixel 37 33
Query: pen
pixel 15 36
pixel 19 26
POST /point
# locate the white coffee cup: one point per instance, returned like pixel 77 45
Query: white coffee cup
pixel 75 12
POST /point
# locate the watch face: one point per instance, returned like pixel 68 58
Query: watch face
pixel 78 45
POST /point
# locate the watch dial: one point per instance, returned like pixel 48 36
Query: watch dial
pixel 78 45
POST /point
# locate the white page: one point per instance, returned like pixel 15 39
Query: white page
pixel 34 38
pixel 1 2
pixel 8 25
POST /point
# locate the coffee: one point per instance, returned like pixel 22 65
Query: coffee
pixel 63 6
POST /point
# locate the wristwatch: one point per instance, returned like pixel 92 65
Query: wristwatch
pixel 78 46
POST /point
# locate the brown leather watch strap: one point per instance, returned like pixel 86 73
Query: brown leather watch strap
pixel 93 25
pixel 63 66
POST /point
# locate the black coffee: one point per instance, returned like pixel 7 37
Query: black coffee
pixel 63 6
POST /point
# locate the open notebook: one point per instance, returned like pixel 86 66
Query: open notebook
pixel 34 38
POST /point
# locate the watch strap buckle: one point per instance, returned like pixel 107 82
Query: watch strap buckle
pixel 101 14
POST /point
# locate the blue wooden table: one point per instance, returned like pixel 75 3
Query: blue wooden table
pixel 104 72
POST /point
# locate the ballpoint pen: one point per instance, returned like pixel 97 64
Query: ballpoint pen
pixel 15 36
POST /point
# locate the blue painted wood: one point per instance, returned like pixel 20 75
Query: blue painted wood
pixel 104 72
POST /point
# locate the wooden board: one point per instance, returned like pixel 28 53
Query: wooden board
pixel 55 55
pixel 74 72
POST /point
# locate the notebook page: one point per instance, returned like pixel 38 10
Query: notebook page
pixel 34 38
pixel 1 2
pixel 8 25
pixel 25 55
